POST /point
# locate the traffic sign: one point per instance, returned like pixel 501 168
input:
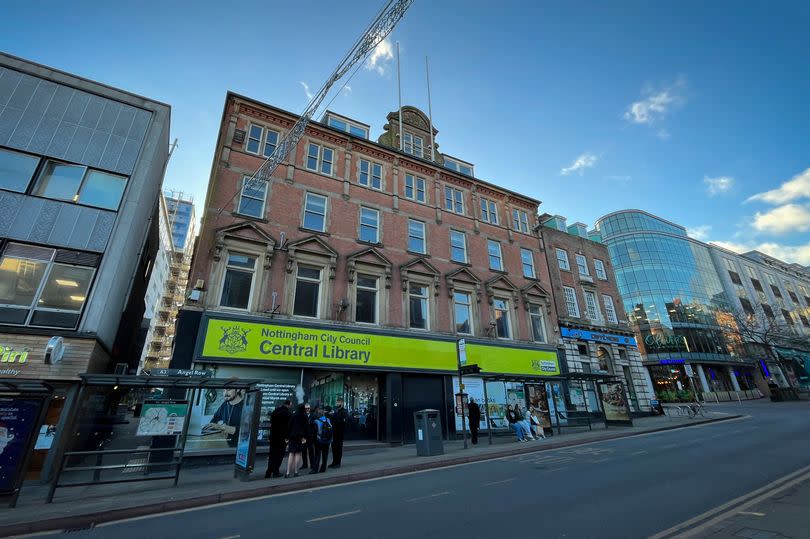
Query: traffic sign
pixel 470 369
pixel 462 352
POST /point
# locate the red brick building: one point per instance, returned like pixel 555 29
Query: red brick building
pixel 593 327
pixel 394 254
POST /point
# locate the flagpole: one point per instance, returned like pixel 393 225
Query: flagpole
pixel 399 92
pixel 430 110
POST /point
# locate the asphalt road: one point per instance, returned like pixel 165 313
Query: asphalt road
pixel 626 488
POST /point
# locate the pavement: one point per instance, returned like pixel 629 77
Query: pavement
pixel 80 508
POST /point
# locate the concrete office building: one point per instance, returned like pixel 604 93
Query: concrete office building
pixel 770 296
pixel 81 166
pixel 593 327
pixel 355 270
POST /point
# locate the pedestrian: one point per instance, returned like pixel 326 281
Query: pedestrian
pixel 523 419
pixel 475 419
pixel 512 418
pixel 307 450
pixel 312 447
pixel 340 421
pixel 537 426
pixel 322 439
pixel 279 424
pixel 297 440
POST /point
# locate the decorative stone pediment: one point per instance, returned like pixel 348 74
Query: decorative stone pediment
pixel 369 257
pixel 534 293
pixel 501 285
pixel 463 276
pixel 312 249
pixel 245 234
pixel 419 268
pixel 414 121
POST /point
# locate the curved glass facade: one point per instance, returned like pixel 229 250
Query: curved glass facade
pixel 671 291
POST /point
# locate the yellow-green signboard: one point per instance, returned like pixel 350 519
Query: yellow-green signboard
pixel 243 340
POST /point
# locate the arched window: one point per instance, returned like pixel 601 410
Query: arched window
pixel 603 356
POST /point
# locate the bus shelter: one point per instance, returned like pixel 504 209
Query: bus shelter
pixel 132 428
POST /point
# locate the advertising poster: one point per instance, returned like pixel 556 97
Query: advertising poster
pixel 18 418
pixel 46 436
pixel 162 418
pixel 538 399
pixel 614 402
pixel 577 397
pixel 559 402
pixel 215 418
pixel 245 448
pixel 474 388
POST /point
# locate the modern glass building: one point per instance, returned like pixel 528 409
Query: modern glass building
pixel 675 303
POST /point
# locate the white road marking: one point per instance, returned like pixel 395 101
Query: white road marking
pixel 728 509
pixel 338 515
pixel 500 482
pixel 557 469
pixel 445 493
pixel 231 537
pixel 638 452
pixel 752 513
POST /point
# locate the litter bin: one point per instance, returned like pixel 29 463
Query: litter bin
pixel 428 427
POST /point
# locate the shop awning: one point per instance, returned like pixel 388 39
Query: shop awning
pixel 131 380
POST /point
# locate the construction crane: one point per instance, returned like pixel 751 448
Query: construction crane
pixel 380 27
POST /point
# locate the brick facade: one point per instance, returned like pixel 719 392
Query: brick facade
pixel 585 354
pixel 280 241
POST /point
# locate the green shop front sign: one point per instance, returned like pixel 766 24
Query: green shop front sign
pixel 239 340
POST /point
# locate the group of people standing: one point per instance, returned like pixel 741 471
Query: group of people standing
pixel 524 423
pixel 306 436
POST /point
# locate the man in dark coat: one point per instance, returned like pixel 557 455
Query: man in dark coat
pixel 279 424
pixel 475 419
pixel 340 420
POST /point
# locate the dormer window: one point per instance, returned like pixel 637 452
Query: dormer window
pixel 458 166
pixel 413 144
pixel 346 125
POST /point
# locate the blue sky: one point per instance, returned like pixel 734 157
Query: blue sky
pixel 696 111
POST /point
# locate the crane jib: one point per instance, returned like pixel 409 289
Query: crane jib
pixel 378 30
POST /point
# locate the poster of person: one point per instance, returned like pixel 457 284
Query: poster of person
pixel 474 388
pixel 614 402
pixel 18 421
pixel 538 400
pixel 215 418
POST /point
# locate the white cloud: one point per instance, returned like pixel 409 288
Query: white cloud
pixel 586 160
pixel 796 188
pixel 719 185
pixel 782 219
pixel 347 90
pixel 799 254
pixel 699 232
pixel 655 105
pixel 307 91
pixel 663 134
pixel 382 54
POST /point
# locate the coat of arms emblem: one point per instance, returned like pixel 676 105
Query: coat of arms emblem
pixel 234 339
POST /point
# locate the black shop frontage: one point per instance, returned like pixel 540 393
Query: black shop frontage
pixel 383 376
